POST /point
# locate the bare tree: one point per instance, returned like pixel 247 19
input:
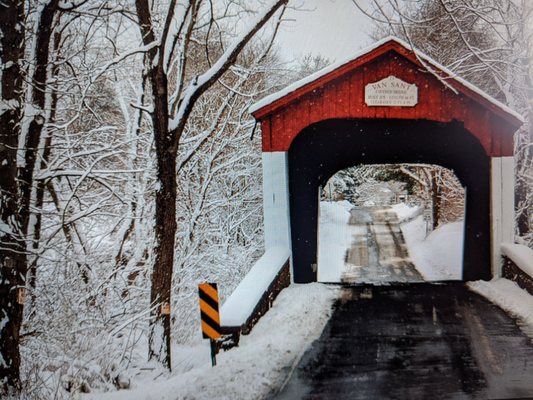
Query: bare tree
pixel 24 112
pixel 173 99
pixel 12 246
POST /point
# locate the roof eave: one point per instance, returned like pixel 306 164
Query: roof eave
pixel 271 103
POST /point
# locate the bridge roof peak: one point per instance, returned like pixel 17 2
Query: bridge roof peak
pixel 270 104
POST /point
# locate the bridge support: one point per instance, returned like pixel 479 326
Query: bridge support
pixel 502 208
pixel 276 200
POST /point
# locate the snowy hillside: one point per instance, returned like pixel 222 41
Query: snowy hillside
pixel 255 368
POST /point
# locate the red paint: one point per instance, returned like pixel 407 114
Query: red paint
pixel 340 94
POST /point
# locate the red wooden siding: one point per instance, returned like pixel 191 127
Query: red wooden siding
pixel 340 94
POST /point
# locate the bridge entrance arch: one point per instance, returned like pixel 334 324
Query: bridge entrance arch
pixel 389 104
pixel 329 146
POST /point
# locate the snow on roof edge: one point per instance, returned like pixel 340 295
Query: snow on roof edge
pixel 313 77
pixel 324 71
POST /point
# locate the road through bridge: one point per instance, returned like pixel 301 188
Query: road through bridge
pixel 415 341
pixel 379 252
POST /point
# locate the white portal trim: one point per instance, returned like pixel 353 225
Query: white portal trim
pixel 502 208
pixel 276 206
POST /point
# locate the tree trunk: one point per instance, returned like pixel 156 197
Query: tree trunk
pixel 435 200
pixel 40 185
pixel 38 100
pixel 165 198
pixel 12 245
pixel 165 231
pixel 167 143
pixel 165 223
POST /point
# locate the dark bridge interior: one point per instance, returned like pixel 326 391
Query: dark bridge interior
pixel 324 148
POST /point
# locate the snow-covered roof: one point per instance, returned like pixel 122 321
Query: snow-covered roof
pixel 427 59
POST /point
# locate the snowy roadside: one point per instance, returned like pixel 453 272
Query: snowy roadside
pixel 508 296
pixel 335 238
pixel 405 212
pixel 261 362
pixel 438 257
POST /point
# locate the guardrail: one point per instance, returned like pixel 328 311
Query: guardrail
pixel 254 296
pixel 518 265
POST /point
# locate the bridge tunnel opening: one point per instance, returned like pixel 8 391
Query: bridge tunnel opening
pixel 324 148
pixel 390 223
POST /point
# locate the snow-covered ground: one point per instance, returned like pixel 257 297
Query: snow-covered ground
pixel 510 297
pixel 265 358
pixel 258 366
pixel 335 237
pixel 404 212
pixel 438 256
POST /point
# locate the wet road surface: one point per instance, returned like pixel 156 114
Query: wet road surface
pixel 417 341
pixel 379 254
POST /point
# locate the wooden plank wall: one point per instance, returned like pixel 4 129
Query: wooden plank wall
pixel 342 96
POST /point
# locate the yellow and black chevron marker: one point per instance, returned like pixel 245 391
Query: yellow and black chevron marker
pixel 209 310
pixel 210 317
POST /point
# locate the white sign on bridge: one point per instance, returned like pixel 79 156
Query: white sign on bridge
pixel 391 91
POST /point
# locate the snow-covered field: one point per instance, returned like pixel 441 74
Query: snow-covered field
pixel 258 366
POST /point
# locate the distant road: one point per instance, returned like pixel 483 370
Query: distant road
pixel 417 341
pixel 380 253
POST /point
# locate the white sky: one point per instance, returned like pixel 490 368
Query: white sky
pixel 336 29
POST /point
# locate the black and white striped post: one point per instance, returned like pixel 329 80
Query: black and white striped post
pixel 210 316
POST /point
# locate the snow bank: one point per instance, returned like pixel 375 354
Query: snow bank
pixel 404 212
pixel 335 212
pixel 521 255
pixel 241 303
pixel 440 255
pixel 508 296
pixel 261 362
pixel 335 237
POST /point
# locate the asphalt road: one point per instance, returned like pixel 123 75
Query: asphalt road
pixel 417 341
pixel 379 254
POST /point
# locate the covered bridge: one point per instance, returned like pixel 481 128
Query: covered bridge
pixel 388 104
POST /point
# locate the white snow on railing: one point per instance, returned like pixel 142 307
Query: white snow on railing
pixel 521 255
pixel 242 302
